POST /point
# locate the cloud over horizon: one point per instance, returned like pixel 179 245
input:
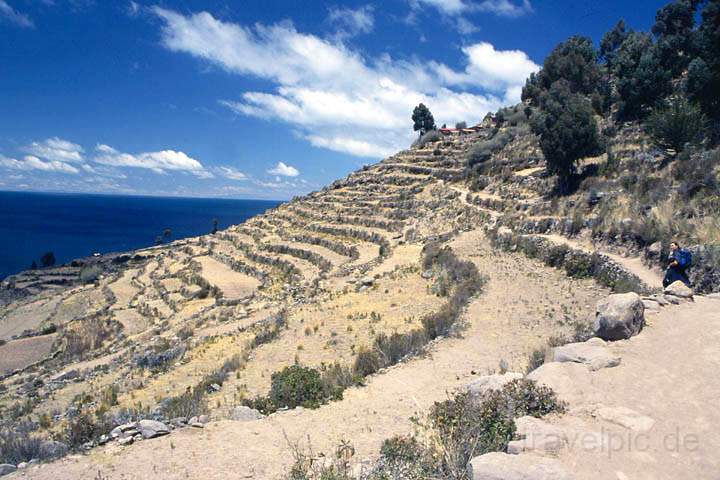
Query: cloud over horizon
pixel 284 170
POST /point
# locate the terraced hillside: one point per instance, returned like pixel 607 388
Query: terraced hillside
pixel 349 281
pixel 335 269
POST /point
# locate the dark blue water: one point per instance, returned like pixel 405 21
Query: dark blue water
pixel 73 225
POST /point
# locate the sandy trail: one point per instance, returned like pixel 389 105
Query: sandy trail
pixel 506 322
pixel 669 373
pixel 634 265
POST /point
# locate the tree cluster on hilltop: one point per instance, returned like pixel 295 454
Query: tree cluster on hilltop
pixel 668 78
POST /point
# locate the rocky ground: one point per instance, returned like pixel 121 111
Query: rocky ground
pixel 316 280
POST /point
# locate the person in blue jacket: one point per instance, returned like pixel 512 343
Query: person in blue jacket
pixel 680 260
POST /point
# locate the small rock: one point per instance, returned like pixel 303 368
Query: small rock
pixel 367 281
pixel 619 316
pixel 215 387
pixel 536 435
pixel 679 289
pixel 197 425
pixel 126 441
pixel 626 417
pixel 484 384
pixel 670 299
pixel 654 250
pixel 179 421
pixel 594 356
pixel 245 414
pixel 501 466
pixel 152 428
pixel 651 305
pixel 22 465
pixel 6 468
pixel 203 419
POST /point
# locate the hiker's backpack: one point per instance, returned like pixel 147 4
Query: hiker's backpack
pixel 684 258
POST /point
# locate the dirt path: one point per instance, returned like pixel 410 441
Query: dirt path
pixel 634 265
pixel 670 373
pixel 506 322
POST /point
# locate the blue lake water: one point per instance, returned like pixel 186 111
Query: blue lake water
pixel 77 225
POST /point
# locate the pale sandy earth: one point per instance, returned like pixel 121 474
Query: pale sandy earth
pixel 506 322
pixel 234 285
pixel 26 351
pixel 670 373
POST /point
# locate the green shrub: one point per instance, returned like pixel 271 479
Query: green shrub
pixel 296 386
pixel 579 265
pixel 676 124
pixel 466 427
pixel 555 256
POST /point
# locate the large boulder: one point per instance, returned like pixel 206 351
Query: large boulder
pixel 590 353
pixel 679 289
pixel 619 316
pixel 152 428
pixel 484 384
pixel 572 382
pixel 501 466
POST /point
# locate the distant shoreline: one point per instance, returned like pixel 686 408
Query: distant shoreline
pixel 74 226
pixel 140 195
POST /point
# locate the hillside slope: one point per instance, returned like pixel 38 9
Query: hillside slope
pixel 201 325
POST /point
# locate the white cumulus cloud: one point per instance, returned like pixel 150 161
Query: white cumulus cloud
pixel 159 162
pixel 31 162
pixel 232 173
pixel 284 170
pixel 56 149
pixel 335 97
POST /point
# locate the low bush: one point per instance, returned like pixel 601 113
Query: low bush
pixel 366 363
pixel 90 273
pixel 296 386
pixel 85 427
pixel 396 346
pixel 431 136
pixel 460 428
pixel 189 404
pixel 19 444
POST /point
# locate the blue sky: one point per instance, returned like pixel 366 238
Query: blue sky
pixel 256 99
